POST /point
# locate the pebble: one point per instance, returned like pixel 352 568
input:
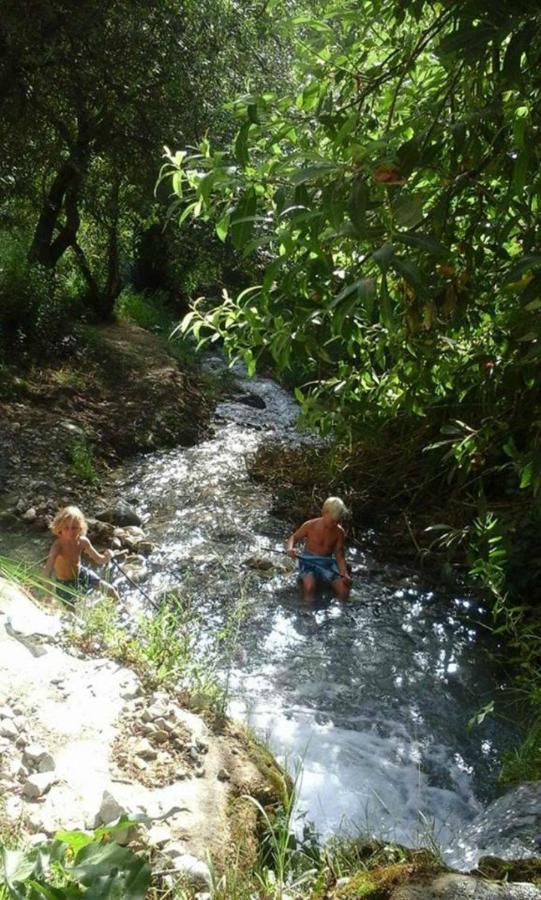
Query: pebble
pixel 223 775
pixel 8 729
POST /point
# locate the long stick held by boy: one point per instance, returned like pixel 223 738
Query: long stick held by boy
pixel 322 560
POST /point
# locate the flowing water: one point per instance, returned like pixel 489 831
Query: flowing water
pixel 373 696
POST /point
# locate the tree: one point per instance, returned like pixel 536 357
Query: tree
pixel 90 93
pixel 392 202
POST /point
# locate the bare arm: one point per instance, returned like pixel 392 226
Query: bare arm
pixel 339 554
pixel 100 558
pixel 49 565
pixel 294 538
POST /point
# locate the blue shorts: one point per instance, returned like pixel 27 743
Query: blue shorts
pixel 86 580
pixel 325 568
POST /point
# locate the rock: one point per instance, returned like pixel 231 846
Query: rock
pixel 121 514
pixel 161 737
pixel 158 835
pixel 30 514
pixel 144 749
pixel 37 757
pixel 223 775
pixel 6 712
pixel 37 785
pixel 109 810
pixel 464 887
pixel 145 547
pixel 194 871
pixel 9 729
pixel 156 711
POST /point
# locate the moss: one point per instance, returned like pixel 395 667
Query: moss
pixel 509 869
pixel 378 881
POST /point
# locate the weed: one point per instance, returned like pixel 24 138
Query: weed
pixel 82 461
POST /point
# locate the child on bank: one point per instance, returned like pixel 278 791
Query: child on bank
pixel 64 560
pixel 322 559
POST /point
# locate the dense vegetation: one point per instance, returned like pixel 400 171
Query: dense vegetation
pixel 88 98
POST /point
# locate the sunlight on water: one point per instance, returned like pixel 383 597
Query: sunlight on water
pixel 374 696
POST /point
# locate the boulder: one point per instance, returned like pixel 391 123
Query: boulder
pixel 121 514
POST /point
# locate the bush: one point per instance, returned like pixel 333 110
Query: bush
pixel 147 310
pixel 33 317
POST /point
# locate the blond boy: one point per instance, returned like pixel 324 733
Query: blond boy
pixel 322 559
pixel 64 560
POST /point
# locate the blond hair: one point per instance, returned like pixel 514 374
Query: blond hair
pixel 336 507
pixel 65 515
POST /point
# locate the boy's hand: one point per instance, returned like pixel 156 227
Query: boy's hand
pixel 292 553
pixel 108 554
pixel 347 577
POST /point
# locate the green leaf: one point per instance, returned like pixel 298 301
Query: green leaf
pixel 422 242
pixel 364 288
pixel 358 202
pixel 383 256
pixel 222 227
pixel 526 263
pixel 511 69
pixel 242 220
pixel 240 145
pixel 408 210
pixel 410 272
pixel 310 173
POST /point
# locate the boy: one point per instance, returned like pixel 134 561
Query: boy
pixel 323 556
pixel 64 560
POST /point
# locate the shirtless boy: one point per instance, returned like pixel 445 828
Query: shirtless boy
pixel 64 560
pixel 323 556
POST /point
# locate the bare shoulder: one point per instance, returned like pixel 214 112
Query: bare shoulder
pixel 84 543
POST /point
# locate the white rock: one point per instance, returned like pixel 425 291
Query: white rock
pixel 194 871
pixel 37 757
pixel 144 749
pixel 8 729
pixel 109 810
pixel 158 835
pixel 6 712
pixel 156 711
pixel 37 785
pixel 30 515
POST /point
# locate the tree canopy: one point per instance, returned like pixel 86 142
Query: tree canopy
pixel 392 204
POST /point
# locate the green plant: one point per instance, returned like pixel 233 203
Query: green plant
pixel 75 865
pixel 148 310
pixel 82 461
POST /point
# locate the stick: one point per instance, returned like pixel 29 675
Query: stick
pixel 134 583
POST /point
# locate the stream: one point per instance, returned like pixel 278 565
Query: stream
pixel 371 699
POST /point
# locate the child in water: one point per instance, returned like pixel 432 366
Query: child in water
pixel 323 556
pixel 64 560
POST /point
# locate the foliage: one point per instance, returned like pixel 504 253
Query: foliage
pixel 88 97
pixel 33 315
pixel 82 461
pixel 74 865
pixel 147 310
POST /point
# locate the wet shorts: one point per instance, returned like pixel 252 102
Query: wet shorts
pixel 325 568
pixel 86 580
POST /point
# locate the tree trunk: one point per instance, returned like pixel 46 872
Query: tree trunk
pixel 63 195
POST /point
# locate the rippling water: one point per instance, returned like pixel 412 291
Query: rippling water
pixel 374 696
